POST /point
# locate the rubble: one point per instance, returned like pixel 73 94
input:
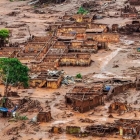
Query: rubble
pixel 119 108
pixel 87 120
pixel 134 2
pixel 24 105
pixel 101 130
pixel 68 80
pixel 129 11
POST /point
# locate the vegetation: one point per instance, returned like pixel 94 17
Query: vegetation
pixel 13 73
pixel 82 11
pixel 4 34
pixel 22 118
pixel 79 76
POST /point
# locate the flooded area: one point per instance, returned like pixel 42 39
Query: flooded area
pixel 83 70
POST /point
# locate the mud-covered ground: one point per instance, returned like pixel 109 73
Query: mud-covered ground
pixel 103 66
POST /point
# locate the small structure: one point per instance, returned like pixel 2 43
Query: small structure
pixel 44 116
pixel 115 27
pixel 73 129
pixel 83 98
pixel 49 79
pixel 56 130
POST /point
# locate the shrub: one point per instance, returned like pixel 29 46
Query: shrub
pixel 79 76
pixel 82 11
pixel 4 33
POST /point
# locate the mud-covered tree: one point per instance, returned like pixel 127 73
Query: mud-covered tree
pixel 13 73
pixel 4 34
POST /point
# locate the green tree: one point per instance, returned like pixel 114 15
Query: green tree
pixel 13 73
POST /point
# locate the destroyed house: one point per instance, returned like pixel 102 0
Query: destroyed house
pixel 74 59
pixel 58 48
pixel 131 27
pixel 49 79
pixel 9 51
pixel 35 68
pixel 77 17
pixel 44 116
pixel 40 39
pixel 128 128
pixel 36 49
pixel 129 11
pixel 83 99
pixel 83 46
pixel 102 130
pixel 118 86
pixel 134 2
pixel 52 60
pixel 32 50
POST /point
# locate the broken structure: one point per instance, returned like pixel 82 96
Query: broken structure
pixel 134 2
pixel 129 12
pixel 44 116
pixel 83 99
pixel 49 79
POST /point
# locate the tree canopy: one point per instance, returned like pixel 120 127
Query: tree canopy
pixel 4 33
pixel 13 72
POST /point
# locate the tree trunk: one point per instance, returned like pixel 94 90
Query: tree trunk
pixel 6 90
pixel 2 43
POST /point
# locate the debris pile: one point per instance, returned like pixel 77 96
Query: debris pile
pixel 129 11
pixel 120 108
